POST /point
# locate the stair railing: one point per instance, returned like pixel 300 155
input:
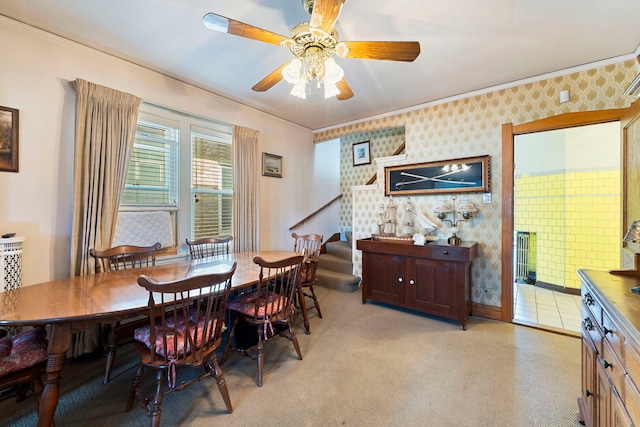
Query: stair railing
pixel 317 211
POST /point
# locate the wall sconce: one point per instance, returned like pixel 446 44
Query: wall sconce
pixel 466 209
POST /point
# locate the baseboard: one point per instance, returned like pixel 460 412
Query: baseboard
pixel 487 311
pixel 557 288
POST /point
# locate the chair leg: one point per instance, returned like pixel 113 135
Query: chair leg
pixel 294 340
pixel 260 357
pixel 315 301
pixel 222 384
pixel 133 391
pixel 155 412
pixel 303 309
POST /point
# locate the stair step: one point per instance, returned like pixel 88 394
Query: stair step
pixel 338 281
pixel 340 249
pixel 335 263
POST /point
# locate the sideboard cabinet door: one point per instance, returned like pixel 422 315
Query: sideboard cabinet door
pixel 434 286
pixel 384 276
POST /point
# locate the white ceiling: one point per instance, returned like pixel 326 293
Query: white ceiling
pixel 466 45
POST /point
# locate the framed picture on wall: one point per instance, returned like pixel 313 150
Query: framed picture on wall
pixel 468 175
pixel 8 139
pixel 271 165
pixel 361 153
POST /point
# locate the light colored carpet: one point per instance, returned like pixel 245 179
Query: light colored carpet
pixel 364 365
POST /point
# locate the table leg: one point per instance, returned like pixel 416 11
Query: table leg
pixel 59 343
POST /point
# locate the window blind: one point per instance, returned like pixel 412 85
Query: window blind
pixel 152 175
pixel 211 184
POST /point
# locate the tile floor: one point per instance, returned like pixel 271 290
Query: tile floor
pixel 539 306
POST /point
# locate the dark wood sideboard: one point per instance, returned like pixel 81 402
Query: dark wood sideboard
pixel 432 279
pixel 610 350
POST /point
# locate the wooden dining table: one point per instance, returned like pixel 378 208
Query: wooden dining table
pixel 73 304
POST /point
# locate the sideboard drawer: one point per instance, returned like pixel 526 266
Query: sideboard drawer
pixel 447 253
pixel 614 367
pixel 593 305
pixel 592 328
pixel 613 334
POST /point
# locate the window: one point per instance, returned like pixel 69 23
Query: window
pixel 151 179
pixel 193 181
pixel 211 184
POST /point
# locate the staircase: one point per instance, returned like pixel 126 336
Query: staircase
pixel 335 267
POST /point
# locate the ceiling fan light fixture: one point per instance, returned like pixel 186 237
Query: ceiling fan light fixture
pixel 291 73
pixel 300 89
pixel 330 90
pixel 332 72
pixel 313 63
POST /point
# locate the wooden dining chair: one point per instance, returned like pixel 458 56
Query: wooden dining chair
pixel 267 310
pixel 308 245
pixel 23 360
pixel 125 257
pixel 122 257
pixel 186 321
pixel 209 246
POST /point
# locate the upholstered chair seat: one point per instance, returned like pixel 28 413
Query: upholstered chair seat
pixel 23 359
pixel 22 351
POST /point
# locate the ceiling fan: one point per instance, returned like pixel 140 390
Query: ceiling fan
pixel 314 44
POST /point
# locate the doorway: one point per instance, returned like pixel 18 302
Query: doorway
pixel 566 216
pixel 562 121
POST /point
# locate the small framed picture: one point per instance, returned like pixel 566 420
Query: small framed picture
pixel 271 165
pixel 361 153
pixel 8 139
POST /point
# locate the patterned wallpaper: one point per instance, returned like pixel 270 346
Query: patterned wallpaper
pixel 473 127
pixel 382 143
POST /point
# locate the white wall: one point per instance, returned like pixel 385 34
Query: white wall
pixel 35 72
pixel 556 151
pixel 325 187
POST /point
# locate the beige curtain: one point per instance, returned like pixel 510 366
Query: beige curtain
pixel 246 189
pixel 105 129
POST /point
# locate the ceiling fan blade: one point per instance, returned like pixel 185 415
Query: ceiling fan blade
pixel 324 15
pixel 345 90
pixel 223 24
pixel 271 80
pixel 390 51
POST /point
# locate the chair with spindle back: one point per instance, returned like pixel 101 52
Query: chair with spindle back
pixel 267 310
pixel 186 321
pixel 122 257
pixel 209 246
pixel 308 245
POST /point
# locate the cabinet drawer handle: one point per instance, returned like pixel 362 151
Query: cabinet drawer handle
pixel 411 282
pixel 606 364
pixel 588 325
pixel 606 331
pixel 445 252
pixel 400 279
pixel 587 393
